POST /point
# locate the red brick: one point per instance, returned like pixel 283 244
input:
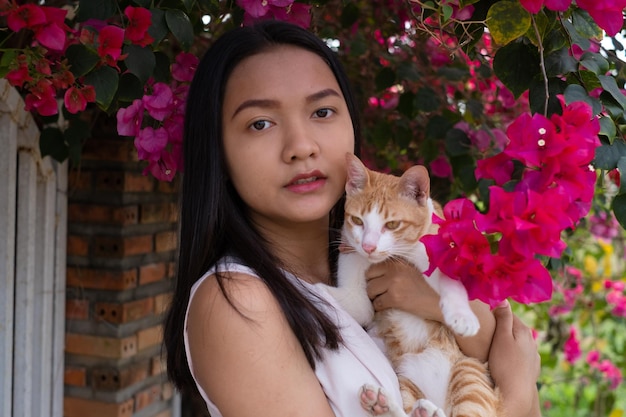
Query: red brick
pixel 94 213
pixel 173 213
pixel 75 375
pixel 77 245
pixel 113 379
pixel 167 391
pixel 101 279
pixel 149 337
pixel 154 213
pixel 164 413
pixel 81 407
pixel 165 241
pixel 79 180
pixel 137 182
pixel 106 347
pixel 169 187
pixel 122 246
pixel 171 272
pixel 152 273
pixel 117 150
pixel 162 303
pixel 147 396
pixel 125 312
pixel 76 309
pixel 157 365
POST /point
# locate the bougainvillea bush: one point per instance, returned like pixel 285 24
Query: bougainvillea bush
pixel 517 107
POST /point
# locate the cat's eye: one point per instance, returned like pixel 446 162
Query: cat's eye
pixel 392 225
pixel 356 220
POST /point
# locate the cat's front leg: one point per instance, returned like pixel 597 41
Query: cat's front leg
pixel 454 304
pixel 351 289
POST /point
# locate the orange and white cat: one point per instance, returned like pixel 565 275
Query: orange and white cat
pixel 385 216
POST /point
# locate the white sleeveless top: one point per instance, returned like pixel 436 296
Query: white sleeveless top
pixel 342 372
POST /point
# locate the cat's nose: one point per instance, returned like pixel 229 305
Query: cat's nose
pixel 368 248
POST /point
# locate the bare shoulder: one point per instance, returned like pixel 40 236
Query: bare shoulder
pixel 247 359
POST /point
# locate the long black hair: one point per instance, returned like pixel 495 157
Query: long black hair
pixel 213 221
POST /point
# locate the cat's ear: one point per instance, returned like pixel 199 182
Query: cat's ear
pixel 357 177
pixel 415 183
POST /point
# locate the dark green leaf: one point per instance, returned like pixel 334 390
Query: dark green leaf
pixel 559 63
pixel 575 92
pixel 516 64
pixel 589 79
pixel 143 3
pixel 595 62
pixel 619 209
pixel 437 127
pixel 349 15
pixel 537 95
pixel 607 128
pixel 385 78
pixel 52 142
pixel 188 4
pixel 607 155
pixel 457 142
pixel 75 135
pixel 130 88
pixel 585 25
pixel 407 71
pixel 582 41
pixel 426 100
pixel 158 29
pixel 162 67
pixel 405 104
pixel 621 166
pixel 463 167
pixel 140 61
pixel 403 137
pixel 554 41
pixel 81 59
pixel 610 85
pixel 381 134
pixel 96 9
pixel 453 74
pixel 180 25
pixel 105 81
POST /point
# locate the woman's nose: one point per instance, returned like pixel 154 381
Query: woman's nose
pixel 299 143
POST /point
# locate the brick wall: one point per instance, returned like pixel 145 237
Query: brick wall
pixel 121 251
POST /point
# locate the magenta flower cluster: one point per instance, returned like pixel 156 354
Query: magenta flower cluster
pixel 156 120
pixel 495 253
pixel 285 10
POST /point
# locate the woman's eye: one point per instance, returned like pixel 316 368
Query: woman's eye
pixel 323 113
pixel 260 125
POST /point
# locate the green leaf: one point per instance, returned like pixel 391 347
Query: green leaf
pixel 457 142
pixel 8 57
pixel 516 64
pixel 158 29
pixel 162 67
pixel 537 95
pixel 437 127
pixel 77 132
pixel 105 80
pixel 52 142
pixel 587 78
pixel 130 88
pixel 447 11
pixel 582 41
pixel 559 63
pixel 575 92
pixel 140 61
pixel 607 155
pixel 607 128
pixel 595 62
pixel 621 166
pixel 426 100
pixel 385 78
pixel 610 85
pixel 453 74
pixel 349 15
pixel 407 71
pixel 96 9
pixel 405 104
pixel 81 59
pixel 619 209
pixel 143 3
pixel 585 25
pixel 507 20
pixel 180 25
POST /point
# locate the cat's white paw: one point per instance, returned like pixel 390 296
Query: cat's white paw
pixel 462 321
pixel 425 408
pixel 374 400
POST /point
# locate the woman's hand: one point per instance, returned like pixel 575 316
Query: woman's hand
pixel 397 284
pixel 515 364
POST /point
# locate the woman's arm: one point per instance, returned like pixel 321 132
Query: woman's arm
pixel 395 284
pixel 515 364
pixel 253 365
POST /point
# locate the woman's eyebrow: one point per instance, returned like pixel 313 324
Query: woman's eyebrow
pixel 322 94
pixel 264 103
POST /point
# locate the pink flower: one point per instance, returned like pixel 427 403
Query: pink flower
pixel 498 167
pixel 259 8
pixel 150 143
pixel 571 348
pixel 76 99
pixel 163 168
pixel 18 76
pixel 110 39
pixel 534 6
pixel 42 97
pixel 160 103
pixel 606 13
pixel 184 67
pixel 441 167
pixel 129 119
pixel 52 34
pixel 139 20
pixel 532 139
pixel 26 16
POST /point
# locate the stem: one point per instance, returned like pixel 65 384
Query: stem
pixel 543 67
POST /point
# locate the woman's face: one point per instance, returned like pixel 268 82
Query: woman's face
pixel 286 131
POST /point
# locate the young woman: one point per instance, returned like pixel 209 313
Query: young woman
pixel 270 117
